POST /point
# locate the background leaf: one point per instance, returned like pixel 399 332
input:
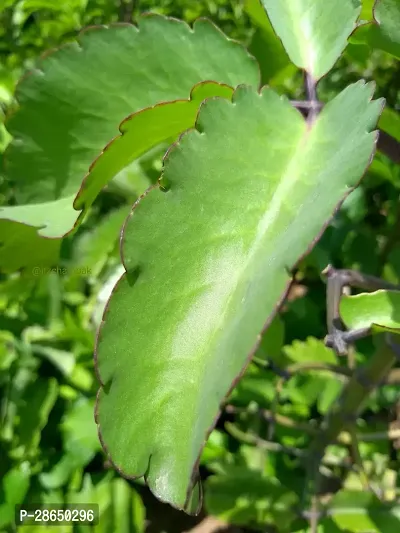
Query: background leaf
pixel 143 130
pixel 383 32
pixel 313 32
pixel 361 511
pixel 266 47
pixel 381 308
pixel 89 87
pixel 246 497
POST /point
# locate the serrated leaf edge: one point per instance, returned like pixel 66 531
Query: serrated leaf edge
pixel 290 270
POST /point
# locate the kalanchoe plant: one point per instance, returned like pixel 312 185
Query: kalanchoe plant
pixel 249 183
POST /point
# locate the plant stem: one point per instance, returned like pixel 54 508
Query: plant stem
pixel 353 397
pixel 255 440
pixel 393 378
pixel 338 338
pixel 311 92
pixel 343 438
pixel 126 10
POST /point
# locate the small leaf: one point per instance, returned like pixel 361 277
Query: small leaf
pixel 80 443
pixel 310 350
pixel 380 308
pixel 387 15
pixel 308 387
pixel 79 432
pixel 366 11
pixel 43 252
pixel 266 47
pixel 99 493
pixel 140 132
pixel 250 190
pixel 383 32
pixel 15 485
pixel 138 513
pixel 313 32
pixel 362 511
pixel 246 497
pixel 39 398
pixel 216 447
pixel 121 499
pixel 390 123
pixel 92 248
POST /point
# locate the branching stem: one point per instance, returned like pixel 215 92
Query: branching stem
pixel 311 92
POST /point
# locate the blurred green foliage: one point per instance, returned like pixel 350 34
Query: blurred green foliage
pixel 49 450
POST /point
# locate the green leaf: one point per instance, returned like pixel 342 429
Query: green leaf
pixel 138 513
pixel 250 190
pixel 129 512
pixel 246 497
pixel 266 47
pixel 275 65
pixel 140 132
pixel 379 308
pixel 38 400
pixel 308 387
pixel 15 485
pixel 362 511
pixel 272 341
pixel 387 15
pixel 253 387
pixel 327 527
pixel 43 252
pixel 310 350
pixel 92 248
pixel 100 493
pixel 80 443
pixel 121 498
pixel 383 32
pixel 62 360
pixel 313 32
pixel 390 123
pixel 257 15
pixel 366 10
pixel 70 105
pixel 6 4
pixel 79 432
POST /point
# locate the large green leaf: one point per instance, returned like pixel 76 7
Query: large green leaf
pixel 313 32
pixel 250 190
pixel 70 106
